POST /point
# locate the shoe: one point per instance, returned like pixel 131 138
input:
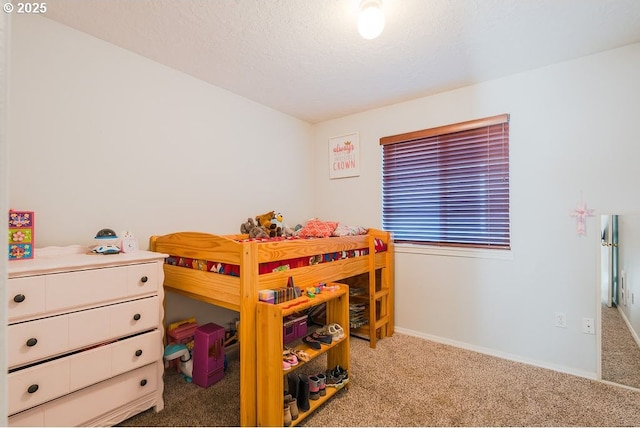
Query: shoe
pixel 293 406
pixel 314 387
pixel 302 356
pixel 293 384
pixel 312 342
pixel 333 381
pixel 337 377
pixel 322 338
pixel 322 384
pixel 289 357
pixel 343 373
pixel 335 331
pixel 287 415
pixel 303 393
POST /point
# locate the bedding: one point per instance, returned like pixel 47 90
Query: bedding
pixel 276 266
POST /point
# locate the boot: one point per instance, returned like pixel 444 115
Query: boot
pixel 303 393
pixel 293 384
pixel 314 387
pixel 293 406
pixel 287 415
pixel 323 384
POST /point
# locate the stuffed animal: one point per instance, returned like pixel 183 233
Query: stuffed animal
pixel 253 230
pixel 277 225
pixel 265 220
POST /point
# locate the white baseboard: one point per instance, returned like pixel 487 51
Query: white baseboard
pixel 629 326
pixel 494 353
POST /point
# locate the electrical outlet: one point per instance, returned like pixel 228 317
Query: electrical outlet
pixel 561 320
pixel 588 326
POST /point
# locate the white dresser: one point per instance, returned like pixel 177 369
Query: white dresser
pixel 84 337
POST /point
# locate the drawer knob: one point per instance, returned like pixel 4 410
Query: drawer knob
pixel 143 382
pixel 19 298
pixel 32 342
pixel 144 279
pixel 138 352
pixel 137 317
pixel 33 388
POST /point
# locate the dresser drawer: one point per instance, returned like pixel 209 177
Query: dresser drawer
pixel 135 316
pixel 37 340
pixel 136 352
pixel 25 297
pixel 83 406
pixel 55 293
pixel 65 333
pixel 35 385
pixel 143 279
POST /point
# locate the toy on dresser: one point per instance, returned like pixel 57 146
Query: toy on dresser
pixel 21 235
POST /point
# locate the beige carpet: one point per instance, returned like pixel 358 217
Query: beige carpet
pixel 408 381
pixel 620 352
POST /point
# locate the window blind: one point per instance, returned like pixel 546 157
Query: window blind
pixel 449 186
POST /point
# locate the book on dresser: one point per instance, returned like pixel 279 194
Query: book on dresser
pixel 85 337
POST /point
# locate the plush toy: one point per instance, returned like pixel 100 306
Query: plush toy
pixel 277 225
pixel 253 230
pixel 265 220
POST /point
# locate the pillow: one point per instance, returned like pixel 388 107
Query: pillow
pixel 344 230
pixel 317 229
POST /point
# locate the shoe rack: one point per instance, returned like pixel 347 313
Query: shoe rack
pixel 270 382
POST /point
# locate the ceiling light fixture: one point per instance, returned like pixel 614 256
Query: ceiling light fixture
pixel 371 19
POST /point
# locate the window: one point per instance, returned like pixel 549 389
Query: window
pixel 448 186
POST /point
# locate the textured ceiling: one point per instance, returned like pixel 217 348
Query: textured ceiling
pixel 305 57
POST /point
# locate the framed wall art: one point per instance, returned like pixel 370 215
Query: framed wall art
pixel 344 156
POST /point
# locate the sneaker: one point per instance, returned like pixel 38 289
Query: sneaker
pixel 332 381
pixel 335 331
pixel 343 373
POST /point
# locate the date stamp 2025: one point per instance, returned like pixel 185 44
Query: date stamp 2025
pixel 29 8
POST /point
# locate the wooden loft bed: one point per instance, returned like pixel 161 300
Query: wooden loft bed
pixel 197 261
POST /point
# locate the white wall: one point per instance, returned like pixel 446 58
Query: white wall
pixel 101 137
pixel 574 136
pixel 629 259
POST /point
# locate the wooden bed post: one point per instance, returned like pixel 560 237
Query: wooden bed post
pixel 373 319
pixel 247 334
pixel 388 281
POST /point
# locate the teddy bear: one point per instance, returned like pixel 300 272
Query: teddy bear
pixel 253 230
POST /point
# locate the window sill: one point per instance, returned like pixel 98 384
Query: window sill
pixel 477 253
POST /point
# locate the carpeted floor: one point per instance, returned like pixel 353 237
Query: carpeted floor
pixel 620 352
pixel 407 381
